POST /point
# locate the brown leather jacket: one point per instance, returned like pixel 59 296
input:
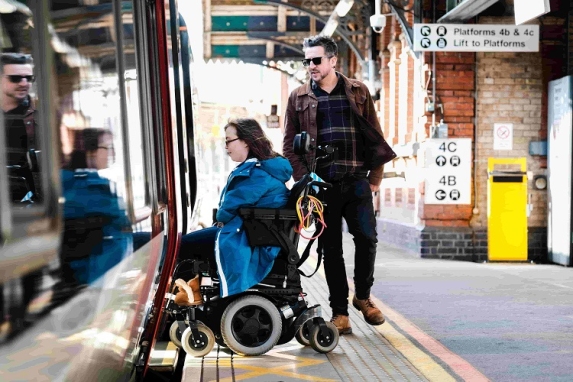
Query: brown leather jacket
pixel 301 116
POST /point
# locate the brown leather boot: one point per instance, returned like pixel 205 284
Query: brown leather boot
pixel 342 323
pixel 186 290
pixel 195 285
pixel 182 297
pixel 372 314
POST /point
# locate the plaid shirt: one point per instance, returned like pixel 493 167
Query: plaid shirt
pixel 336 127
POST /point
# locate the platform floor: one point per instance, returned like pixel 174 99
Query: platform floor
pixel 445 321
pixel 370 353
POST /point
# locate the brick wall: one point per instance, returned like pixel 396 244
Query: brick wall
pixel 510 89
pixel 476 91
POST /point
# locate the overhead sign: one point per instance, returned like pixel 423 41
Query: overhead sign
pixel 503 136
pixel 448 171
pixel 526 10
pixel 476 38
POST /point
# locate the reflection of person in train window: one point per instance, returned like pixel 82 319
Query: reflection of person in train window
pixel 97 231
pixel 19 118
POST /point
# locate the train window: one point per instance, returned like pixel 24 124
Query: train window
pixel 137 165
pixel 93 92
pixel 19 104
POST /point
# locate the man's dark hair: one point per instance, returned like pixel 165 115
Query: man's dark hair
pixel 250 131
pixel 15 59
pixel 330 47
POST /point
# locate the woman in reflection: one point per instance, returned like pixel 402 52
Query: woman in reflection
pixel 258 181
pixel 97 232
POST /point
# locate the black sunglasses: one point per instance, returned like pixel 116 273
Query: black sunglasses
pixel 16 78
pixel 315 60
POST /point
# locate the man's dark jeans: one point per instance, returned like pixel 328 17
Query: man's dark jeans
pixel 350 199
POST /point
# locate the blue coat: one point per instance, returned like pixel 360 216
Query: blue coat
pixel 253 183
pixel 87 194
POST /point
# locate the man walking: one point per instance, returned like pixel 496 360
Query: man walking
pixel 338 111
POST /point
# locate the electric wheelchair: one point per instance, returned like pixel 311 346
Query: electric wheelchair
pixel 275 310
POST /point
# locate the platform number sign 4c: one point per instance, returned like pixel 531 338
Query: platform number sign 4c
pixel 448 171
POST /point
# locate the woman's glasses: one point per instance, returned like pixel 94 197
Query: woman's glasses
pixel 230 140
pixel 315 60
pixel 16 78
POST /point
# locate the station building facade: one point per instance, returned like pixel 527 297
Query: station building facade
pixel 464 95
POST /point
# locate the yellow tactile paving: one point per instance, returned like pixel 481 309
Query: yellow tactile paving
pixel 383 353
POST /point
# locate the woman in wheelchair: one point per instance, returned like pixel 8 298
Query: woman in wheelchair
pixel 255 222
pixel 258 181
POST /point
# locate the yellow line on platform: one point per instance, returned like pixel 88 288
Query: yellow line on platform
pixel 419 359
pixel 257 371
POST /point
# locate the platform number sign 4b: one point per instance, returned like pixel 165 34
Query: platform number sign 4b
pixel 448 171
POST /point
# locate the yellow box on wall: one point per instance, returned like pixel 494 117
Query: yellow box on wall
pixel 507 209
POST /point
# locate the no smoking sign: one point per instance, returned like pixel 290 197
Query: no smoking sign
pixel 502 136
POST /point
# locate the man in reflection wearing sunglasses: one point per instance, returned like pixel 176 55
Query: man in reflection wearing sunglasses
pixel 19 119
pixel 336 111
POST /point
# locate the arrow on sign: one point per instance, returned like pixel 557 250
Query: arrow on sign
pixel 441 160
pixel 425 31
pixel 440 194
pixel 425 43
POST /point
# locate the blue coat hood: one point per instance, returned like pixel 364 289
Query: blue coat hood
pixel 253 183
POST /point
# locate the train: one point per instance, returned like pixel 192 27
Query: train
pixel 100 186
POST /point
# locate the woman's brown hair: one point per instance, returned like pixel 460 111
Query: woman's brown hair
pixel 249 131
pixel 85 140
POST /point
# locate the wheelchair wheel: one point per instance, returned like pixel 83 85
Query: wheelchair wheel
pixel 321 343
pixel 202 345
pixel 175 334
pixel 251 325
pixel 288 332
pixel 302 335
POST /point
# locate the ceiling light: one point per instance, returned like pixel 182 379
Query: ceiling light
pixel 343 7
pixel 330 27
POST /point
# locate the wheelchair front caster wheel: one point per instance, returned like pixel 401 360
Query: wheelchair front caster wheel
pixel 324 343
pixel 201 346
pixel 302 335
pixel 175 334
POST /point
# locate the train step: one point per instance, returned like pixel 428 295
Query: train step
pixel 164 357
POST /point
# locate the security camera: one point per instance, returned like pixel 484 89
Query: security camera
pixel 378 22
